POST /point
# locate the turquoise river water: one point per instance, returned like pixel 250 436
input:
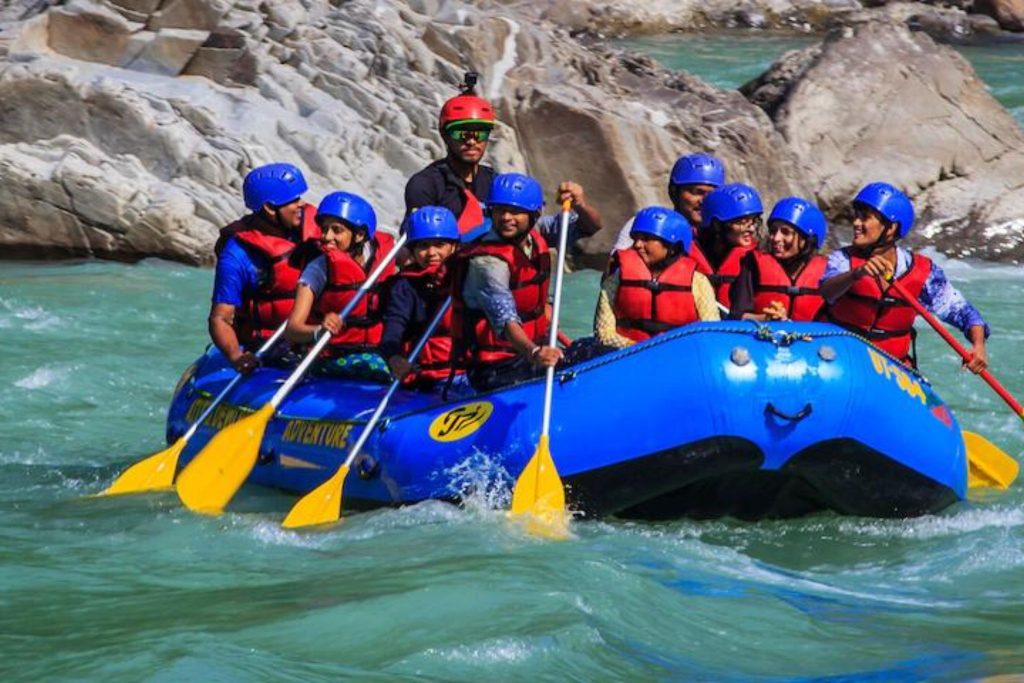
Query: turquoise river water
pixel 136 588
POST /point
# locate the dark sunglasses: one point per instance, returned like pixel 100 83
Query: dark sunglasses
pixel 461 135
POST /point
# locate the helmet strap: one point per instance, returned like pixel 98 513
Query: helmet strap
pixel 884 241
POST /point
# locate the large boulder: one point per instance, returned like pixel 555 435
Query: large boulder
pixel 878 102
pixel 188 96
pixel 1009 13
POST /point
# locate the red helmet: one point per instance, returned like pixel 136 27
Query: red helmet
pixel 466 108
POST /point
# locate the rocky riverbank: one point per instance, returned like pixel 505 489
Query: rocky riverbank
pixel 127 125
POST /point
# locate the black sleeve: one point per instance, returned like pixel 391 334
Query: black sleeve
pixel 420 191
pixel 400 311
pixel 741 294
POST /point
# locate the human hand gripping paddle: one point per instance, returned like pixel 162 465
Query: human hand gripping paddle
pixel 988 464
pixel 208 483
pixel 156 473
pixel 538 492
pixel 322 505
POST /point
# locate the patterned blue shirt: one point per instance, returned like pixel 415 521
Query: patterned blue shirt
pixel 938 295
pixel 487 289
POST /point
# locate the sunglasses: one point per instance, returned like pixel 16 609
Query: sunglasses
pixel 462 135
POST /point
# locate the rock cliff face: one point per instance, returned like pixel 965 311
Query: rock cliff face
pixel 126 128
pixel 879 102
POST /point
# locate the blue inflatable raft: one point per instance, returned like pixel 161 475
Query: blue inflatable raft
pixel 713 419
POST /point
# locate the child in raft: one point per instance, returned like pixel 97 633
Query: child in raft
pixel 417 293
pixel 352 248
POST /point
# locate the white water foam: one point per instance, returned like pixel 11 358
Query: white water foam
pixel 921 528
pixel 42 377
pixel 36 318
pixel 271 533
pixel 481 482
pixel 498 651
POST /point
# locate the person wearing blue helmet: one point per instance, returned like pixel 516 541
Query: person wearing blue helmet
pixel 259 259
pixel 417 293
pixel 654 286
pixel 782 284
pixel 730 229
pixel 352 247
pixel 693 177
pixel 500 291
pixel 857 281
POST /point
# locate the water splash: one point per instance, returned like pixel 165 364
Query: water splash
pixel 481 482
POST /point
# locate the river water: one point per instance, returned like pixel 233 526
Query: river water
pixel 138 589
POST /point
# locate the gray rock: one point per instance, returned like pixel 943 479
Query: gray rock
pixel 166 52
pixel 1009 13
pixel 90 31
pixel 881 103
pixel 202 15
pixel 350 91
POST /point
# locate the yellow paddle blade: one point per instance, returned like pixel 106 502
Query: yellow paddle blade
pixel 208 482
pixel 322 505
pixel 539 494
pixel 987 464
pixel 155 473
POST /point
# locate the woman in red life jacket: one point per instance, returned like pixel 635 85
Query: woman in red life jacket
pixel 731 222
pixel 500 291
pixel 856 281
pixel 259 259
pixel 783 283
pixel 417 293
pixel 352 247
pixel 653 286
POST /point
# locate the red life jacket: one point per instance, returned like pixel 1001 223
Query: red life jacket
pixel 870 311
pixel 364 325
pixel 528 281
pixel 697 254
pixel 645 305
pixel 801 297
pixel 271 304
pixel 435 359
pixel 472 215
pixel 727 272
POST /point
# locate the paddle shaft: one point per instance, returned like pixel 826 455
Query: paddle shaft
pixel 958 347
pixel 556 309
pixel 371 280
pixel 231 385
pixel 368 429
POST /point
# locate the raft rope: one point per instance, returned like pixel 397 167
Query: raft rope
pixel 762 331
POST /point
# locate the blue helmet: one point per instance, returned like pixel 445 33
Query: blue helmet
pixel 432 223
pixel 730 202
pixel 894 206
pixel 665 224
pixel 276 184
pixel 802 215
pixel 516 190
pixel 350 208
pixel 697 169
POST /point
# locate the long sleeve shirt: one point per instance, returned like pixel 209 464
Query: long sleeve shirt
pixel 938 295
pixel 407 315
